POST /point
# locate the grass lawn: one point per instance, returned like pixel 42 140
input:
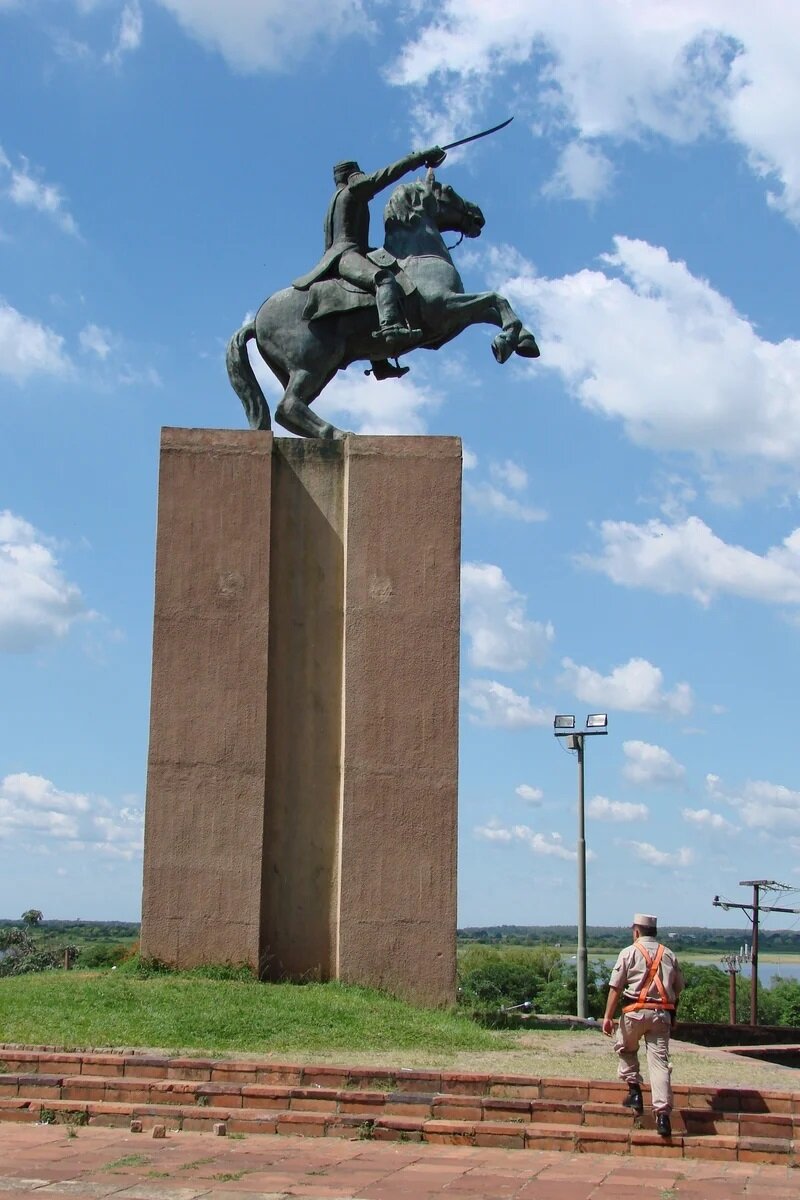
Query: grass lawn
pixel 174 1012
pixel 316 1023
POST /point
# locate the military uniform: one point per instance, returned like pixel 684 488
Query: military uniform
pixel 347 243
pixel 347 224
pixel 649 979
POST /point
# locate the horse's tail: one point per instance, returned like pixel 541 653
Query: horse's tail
pixel 243 378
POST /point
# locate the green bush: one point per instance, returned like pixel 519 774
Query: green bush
pixel 493 978
pixel 103 954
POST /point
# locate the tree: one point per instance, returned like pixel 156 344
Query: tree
pixel 32 917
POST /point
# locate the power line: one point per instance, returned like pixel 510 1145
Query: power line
pixel 753 911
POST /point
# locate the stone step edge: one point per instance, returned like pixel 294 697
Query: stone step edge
pixel 196 1069
pixel 499 1134
pixel 76 1090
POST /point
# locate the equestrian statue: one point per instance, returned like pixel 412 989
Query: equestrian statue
pixel 363 304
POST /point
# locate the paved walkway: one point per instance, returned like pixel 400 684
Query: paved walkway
pixel 50 1160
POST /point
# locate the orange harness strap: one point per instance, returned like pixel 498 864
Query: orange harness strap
pixel 652 977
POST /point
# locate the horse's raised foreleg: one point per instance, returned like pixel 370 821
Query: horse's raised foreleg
pixel 293 412
pixel 491 308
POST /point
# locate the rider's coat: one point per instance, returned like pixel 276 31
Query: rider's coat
pixel 347 218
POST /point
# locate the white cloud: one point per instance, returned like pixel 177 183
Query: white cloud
pixel 551 845
pixel 37 602
pixel 531 795
pixel 129 33
pixel 583 173
pixel 32 805
pixel 647 764
pixel 511 474
pixel 706 819
pixel 636 686
pixel 687 558
pixel 486 498
pixel 490 498
pixel 27 191
pixel 268 35
pixel 393 406
pixel 600 808
pixel 95 340
pixel 548 845
pixel 28 348
pixel 469 459
pixel 493 832
pixel 661 858
pixel 501 636
pixel 618 71
pixel 114 833
pixel 500 707
pixel 722 393
pixel 761 805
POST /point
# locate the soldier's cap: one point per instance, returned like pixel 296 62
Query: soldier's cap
pixel 645 920
pixel 343 170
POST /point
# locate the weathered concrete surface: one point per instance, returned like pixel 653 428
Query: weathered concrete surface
pixel 302 784
pixel 304 730
pixel 397 885
pixel 204 832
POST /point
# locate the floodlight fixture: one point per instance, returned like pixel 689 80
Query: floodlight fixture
pixel 564 721
pixel 597 721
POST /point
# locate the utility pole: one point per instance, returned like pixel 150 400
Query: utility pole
pixel 753 910
pixel 733 964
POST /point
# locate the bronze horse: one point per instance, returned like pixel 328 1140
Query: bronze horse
pixel 305 339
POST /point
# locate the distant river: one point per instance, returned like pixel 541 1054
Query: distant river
pixel 766 969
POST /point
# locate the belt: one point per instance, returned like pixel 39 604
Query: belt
pixel 635 1005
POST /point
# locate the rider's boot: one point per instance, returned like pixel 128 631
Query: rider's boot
pixel 394 331
pixel 383 369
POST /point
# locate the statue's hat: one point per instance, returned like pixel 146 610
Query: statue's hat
pixel 343 170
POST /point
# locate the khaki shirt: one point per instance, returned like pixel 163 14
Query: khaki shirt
pixel 630 971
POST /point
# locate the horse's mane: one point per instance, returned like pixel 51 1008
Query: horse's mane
pixel 400 206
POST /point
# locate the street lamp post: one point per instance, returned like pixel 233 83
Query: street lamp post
pixel 564 727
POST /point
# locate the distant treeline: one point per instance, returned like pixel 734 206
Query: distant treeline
pixel 609 937
pixel 80 933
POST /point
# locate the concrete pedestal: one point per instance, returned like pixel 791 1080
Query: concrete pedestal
pixel 302 776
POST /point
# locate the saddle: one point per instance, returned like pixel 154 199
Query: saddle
pixel 330 296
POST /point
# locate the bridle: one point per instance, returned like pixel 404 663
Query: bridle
pixel 459 204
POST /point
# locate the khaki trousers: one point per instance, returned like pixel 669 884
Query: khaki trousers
pixel 654 1027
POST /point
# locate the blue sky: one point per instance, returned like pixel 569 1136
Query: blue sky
pixel 631 519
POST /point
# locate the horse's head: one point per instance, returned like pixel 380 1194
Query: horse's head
pixel 439 203
pixel 453 213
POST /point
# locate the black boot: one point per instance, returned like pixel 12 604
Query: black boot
pixel 394 332
pixel 634 1100
pixel 383 369
pixel 663 1125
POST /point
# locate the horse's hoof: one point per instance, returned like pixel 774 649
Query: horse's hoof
pixel 502 348
pixel 526 346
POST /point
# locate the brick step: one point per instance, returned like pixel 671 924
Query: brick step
pixel 129 1091
pixel 149 1068
pixel 515 1134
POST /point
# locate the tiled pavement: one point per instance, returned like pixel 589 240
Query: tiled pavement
pixel 92 1163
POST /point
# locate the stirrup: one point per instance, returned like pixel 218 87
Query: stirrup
pixel 396 335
